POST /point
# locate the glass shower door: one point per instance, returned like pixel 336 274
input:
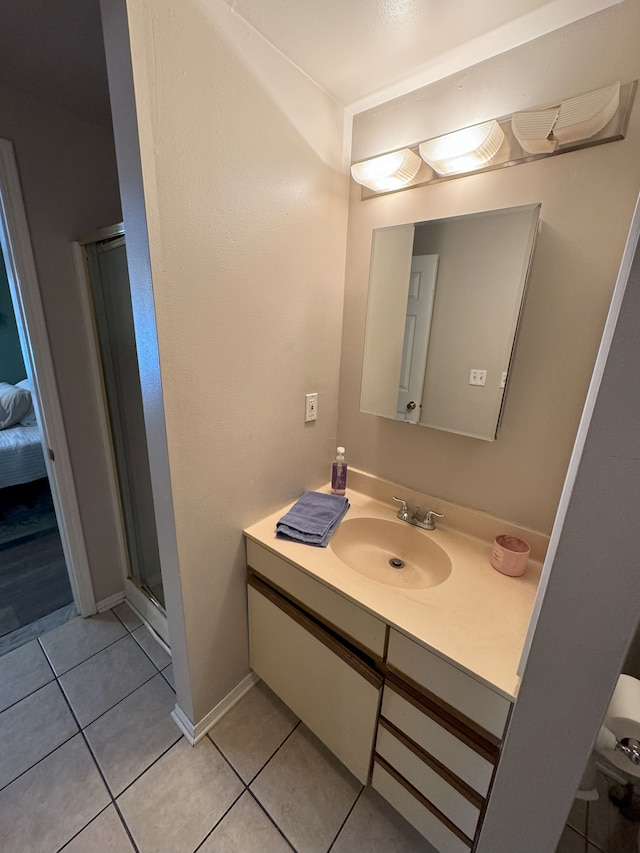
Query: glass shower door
pixel 111 297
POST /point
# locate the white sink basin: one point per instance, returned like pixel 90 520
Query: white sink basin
pixel 369 545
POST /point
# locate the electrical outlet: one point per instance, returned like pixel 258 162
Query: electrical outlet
pixel 503 381
pixel 311 407
pixel 477 377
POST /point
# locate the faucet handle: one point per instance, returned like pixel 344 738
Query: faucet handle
pixel 403 512
pixel 426 519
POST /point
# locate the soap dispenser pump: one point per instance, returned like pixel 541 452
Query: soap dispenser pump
pixel 339 474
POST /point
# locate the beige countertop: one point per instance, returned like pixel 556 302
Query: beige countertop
pixel 477 618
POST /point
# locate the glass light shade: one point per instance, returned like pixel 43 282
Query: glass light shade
pixel 533 130
pixel 584 116
pixel 463 150
pixel 388 172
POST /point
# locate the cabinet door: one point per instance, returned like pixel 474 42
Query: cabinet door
pixel 332 691
pixel 356 625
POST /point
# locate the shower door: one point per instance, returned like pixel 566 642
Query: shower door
pixel 113 314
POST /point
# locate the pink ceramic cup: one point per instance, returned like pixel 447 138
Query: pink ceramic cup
pixel 510 555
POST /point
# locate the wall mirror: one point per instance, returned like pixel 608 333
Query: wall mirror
pixel 445 299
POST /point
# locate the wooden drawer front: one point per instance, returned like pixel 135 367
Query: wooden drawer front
pixel 352 621
pixel 476 701
pixel 415 811
pixel 454 805
pixel 330 695
pixel 462 759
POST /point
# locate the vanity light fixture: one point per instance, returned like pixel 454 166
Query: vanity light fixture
pixel 579 122
pixel 388 172
pixel 463 150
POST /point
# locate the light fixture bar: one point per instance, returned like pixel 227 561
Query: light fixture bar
pixel 527 136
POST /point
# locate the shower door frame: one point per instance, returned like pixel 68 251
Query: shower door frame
pixel 139 600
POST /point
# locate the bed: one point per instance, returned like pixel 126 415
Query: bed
pixel 21 455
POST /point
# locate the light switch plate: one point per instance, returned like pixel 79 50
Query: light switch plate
pixel 310 407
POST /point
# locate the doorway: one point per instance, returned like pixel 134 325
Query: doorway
pixel 50 447
pixel 35 591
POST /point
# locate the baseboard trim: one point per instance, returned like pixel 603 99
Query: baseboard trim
pixel 194 733
pixel 111 601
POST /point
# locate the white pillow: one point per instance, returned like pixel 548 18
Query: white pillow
pixel 14 404
pixel 30 418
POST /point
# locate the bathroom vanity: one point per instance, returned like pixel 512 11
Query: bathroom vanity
pixel 408 680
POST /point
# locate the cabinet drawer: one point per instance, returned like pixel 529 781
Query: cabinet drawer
pixel 446 746
pixel 410 804
pixel 354 623
pixel 453 804
pixel 337 698
pixel 463 693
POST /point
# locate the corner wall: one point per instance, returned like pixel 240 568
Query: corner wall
pixel 70 187
pixel 245 191
pixel 587 202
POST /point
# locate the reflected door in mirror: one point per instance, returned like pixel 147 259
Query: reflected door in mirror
pixel 422 289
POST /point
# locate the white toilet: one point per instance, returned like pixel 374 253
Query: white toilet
pixel 617 748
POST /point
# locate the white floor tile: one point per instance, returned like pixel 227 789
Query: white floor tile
pixel 49 804
pixel 307 792
pixel 75 641
pixel 151 646
pixel 97 684
pixel 245 829
pixel 21 672
pixel 129 737
pixel 105 834
pixel 177 802
pixel 31 729
pixel 253 729
pixel 168 674
pixel 126 615
pixel 375 827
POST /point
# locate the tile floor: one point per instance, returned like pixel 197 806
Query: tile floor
pixel 599 826
pixel 93 763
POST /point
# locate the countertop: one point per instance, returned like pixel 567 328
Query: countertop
pixel 477 619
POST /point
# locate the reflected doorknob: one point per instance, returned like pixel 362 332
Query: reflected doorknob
pixel 411 406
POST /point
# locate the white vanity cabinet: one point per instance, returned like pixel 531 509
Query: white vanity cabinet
pixel 318 659
pixel 437 745
pixel 424 733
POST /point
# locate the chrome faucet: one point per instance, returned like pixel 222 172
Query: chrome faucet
pixel 403 512
pixel 425 520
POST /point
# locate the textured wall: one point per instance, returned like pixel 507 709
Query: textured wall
pixel 246 199
pixel 587 201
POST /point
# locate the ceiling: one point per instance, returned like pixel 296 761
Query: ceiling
pixel 362 52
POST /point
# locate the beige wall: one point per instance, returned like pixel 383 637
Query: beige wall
pixel 587 200
pixel 70 187
pixel 246 200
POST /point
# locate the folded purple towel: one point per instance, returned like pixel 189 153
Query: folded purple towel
pixel 313 518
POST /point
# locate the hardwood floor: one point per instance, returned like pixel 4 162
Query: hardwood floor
pixel 33 574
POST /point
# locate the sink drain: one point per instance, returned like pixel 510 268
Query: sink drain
pixel 395 563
